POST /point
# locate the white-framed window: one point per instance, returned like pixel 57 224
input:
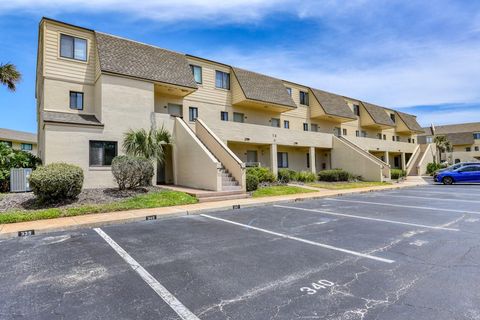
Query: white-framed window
pixel 76 100
pixel 282 159
pixel 222 80
pixel 476 135
pixel 197 73
pixel 304 98
pixel 357 133
pixel 305 126
pixel 289 90
pixel 238 117
pixel 314 127
pixel 102 153
pixel 286 124
pixel 192 114
pixel 73 47
pixel 364 134
pixel 224 115
pixel 429 139
pixel 344 131
pixel 275 122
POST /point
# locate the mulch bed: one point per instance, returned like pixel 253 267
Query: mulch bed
pixel 26 201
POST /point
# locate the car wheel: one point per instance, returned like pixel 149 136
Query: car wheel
pixel 447 180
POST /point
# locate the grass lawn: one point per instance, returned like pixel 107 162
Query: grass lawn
pixel 151 200
pixel 347 185
pixel 279 191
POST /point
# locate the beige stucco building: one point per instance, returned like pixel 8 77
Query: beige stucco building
pixel 93 87
pixel 464 139
pixel 19 140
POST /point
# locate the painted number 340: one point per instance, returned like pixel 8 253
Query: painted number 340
pixel 321 284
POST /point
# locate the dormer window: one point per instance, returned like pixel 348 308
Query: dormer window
pixel 197 73
pixel 73 48
pixel 289 90
pixel 304 98
pixel 392 116
pixel 356 109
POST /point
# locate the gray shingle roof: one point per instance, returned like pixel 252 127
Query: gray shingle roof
pixel 14 135
pixel 333 104
pixel 460 138
pixel 455 128
pixel 378 114
pixel 410 121
pixel 143 61
pixel 70 118
pixel 263 88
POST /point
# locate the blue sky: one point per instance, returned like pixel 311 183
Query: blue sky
pixel 418 56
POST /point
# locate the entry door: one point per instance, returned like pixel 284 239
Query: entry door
pixel 252 156
pixel 175 110
pixel 396 161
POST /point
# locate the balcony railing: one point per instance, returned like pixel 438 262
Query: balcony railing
pixel 382 145
pixel 261 134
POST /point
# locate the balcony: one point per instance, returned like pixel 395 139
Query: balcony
pixel 259 134
pixel 371 144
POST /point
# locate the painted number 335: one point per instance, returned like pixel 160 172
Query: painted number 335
pixel 321 284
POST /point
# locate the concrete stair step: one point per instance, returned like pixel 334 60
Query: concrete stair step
pixel 220 193
pixel 243 195
pixel 232 188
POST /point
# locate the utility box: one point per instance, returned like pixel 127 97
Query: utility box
pixel 19 179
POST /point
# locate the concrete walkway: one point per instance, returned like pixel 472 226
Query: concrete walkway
pixel 101 219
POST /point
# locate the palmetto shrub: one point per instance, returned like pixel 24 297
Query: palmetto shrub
pixel 56 182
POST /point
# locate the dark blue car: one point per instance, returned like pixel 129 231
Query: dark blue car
pixel 470 173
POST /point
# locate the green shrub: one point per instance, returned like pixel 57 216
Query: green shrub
pixel 334 175
pixel 306 176
pixel 10 159
pixel 262 174
pixel 132 172
pixel 252 182
pixel 56 182
pixel 433 166
pixel 397 173
pixel 286 175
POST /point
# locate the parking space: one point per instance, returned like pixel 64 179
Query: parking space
pixel 403 254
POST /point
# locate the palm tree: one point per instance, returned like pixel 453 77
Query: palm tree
pixel 150 145
pixel 9 76
pixel 443 145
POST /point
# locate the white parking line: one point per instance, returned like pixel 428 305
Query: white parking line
pixel 326 246
pixel 439 192
pixel 402 206
pixel 427 198
pixel 166 296
pixel 368 218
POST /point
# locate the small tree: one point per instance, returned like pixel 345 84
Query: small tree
pixel 443 145
pixel 9 76
pixel 150 145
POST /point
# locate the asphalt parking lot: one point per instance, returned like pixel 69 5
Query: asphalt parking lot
pixel 405 254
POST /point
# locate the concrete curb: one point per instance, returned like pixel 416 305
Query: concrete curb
pixel 114 218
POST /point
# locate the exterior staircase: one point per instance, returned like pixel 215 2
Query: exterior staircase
pixel 414 170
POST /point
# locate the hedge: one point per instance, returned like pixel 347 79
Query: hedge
pixel 56 182
pixel 334 175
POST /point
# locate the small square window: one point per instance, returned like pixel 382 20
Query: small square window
pixel 476 148
pixel 314 127
pixel 286 124
pixel 238 117
pixel 192 114
pixel 73 48
pixel 305 127
pixel 222 80
pixel 197 73
pixel 344 132
pixel 76 100
pixel 223 115
pixel 364 134
pixel 468 149
pixel 275 122
pixel 102 152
